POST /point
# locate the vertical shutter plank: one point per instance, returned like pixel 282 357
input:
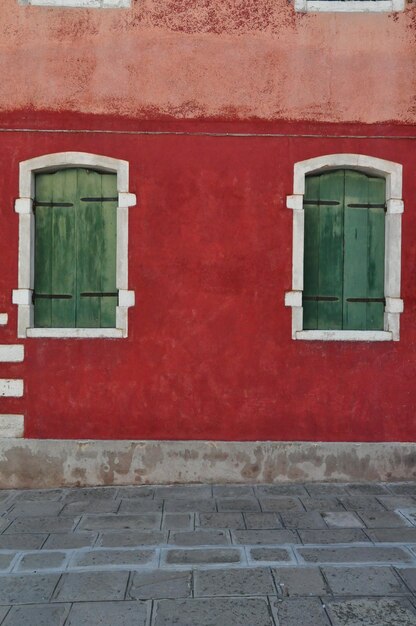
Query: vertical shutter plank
pixel 89 236
pixel 376 237
pixel 63 248
pixel 311 253
pixel 108 250
pixel 355 250
pixel 43 247
pixel 331 250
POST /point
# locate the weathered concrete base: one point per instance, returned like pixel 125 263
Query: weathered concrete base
pixel 51 463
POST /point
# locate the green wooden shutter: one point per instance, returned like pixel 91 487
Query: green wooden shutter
pixel 323 262
pixel 55 260
pixel 344 251
pixel 364 252
pixel 75 249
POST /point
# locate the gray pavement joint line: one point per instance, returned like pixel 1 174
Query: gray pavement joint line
pixel 126 591
pixel 272 617
pixel 325 609
pixel 279 591
pixel 151 611
pixel 404 512
pixel 403 580
pixel 162 515
pixel 377 497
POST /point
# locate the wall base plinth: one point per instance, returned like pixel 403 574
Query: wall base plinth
pixel 43 463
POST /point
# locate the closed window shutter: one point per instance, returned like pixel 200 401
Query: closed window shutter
pixel 75 249
pixel 323 265
pixel 364 252
pixel 55 259
pixel 344 251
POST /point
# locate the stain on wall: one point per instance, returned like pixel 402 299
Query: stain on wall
pixel 209 58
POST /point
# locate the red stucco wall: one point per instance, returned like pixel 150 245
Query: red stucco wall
pixel 209 353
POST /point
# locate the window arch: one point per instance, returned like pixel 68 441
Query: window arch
pixel 380 302
pixel 69 191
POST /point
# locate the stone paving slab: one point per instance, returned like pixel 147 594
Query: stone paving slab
pixel 160 584
pixel 296 581
pixel 383 519
pixel 213 611
pixel 31 588
pixel 323 503
pixel 234 582
pixel 67 541
pixel 264 536
pixel 47 524
pixel 37 615
pixel 371 612
pixel 269 554
pixel 22 541
pixel 202 556
pixel 399 535
pixel 300 612
pixel 260 521
pixel 87 586
pixel 362 554
pixel 345 519
pixel 200 538
pixel 127 557
pixel 179 521
pixel 221 520
pixel 210 555
pixel 129 538
pixel 372 581
pixel 41 561
pixel 146 521
pixel 109 614
pixel 94 506
pixel 336 535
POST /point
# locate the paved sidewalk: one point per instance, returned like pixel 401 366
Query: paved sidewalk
pixel 202 555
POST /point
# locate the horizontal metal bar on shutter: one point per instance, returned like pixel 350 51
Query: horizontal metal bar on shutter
pixel 367 206
pixel 383 300
pixel 321 298
pixel 99 294
pixel 51 296
pixel 99 199
pixel 322 202
pixel 52 204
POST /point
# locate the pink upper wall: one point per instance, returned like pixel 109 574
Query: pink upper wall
pixel 209 58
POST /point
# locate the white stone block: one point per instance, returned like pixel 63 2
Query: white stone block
pixel 22 296
pixel 11 388
pixel 12 354
pixel 4 318
pixel 126 200
pixel 394 305
pixel 395 206
pixel 126 298
pixel 11 425
pixel 23 205
pixel 293 298
pixel 295 202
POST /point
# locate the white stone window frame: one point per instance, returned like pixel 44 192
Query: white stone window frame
pixel 22 296
pixel 392 172
pixel 79 4
pixel 349 6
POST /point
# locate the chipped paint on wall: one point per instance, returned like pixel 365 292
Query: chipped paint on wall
pixel 211 59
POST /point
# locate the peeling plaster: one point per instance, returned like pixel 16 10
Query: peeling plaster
pixel 51 463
